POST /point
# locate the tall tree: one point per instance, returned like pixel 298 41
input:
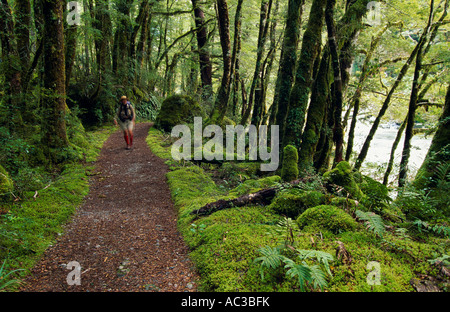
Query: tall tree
pixel 299 96
pixel 262 36
pixel 55 135
pixel 203 52
pixel 221 102
pixel 337 96
pixel 288 61
pixel 315 134
pixel 439 152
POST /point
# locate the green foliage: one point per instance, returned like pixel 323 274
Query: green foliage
pixel 327 217
pixel 305 274
pixel 437 229
pixel 5 282
pixel 373 222
pixel 47 201
pixel 6 184
pixel 289 168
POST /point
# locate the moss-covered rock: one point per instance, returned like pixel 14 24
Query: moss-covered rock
pixel 346 203
pixel 342 175
pixel 289 168
pixel 377 194
pixel 177 110
pixel 327 217
pixel 6 184
pixel 291 205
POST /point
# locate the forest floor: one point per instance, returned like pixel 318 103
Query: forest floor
pixel 125 235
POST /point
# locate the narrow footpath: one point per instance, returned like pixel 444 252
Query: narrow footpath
pixel 124 236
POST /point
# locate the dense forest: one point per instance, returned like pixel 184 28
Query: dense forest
pixel 318 69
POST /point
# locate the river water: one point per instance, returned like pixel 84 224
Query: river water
pixel 380 151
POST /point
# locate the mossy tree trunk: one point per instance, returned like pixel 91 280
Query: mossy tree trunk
pixel 439 152
pixel 299 96
pixel 13 70
pixel 347 29
pixel 266 6
pixel 221 102
pixel 337 96
pixel 54 124
pixel 235 58
pixel 288 60
pixel 203 52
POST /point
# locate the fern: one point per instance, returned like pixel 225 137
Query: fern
pixel 318 277
pixel 321 256
pixel 373 222
pixel 301 272
pixel 271 259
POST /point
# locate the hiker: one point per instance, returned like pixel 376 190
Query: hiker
pixel 125 114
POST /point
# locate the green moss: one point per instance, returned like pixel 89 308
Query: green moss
pixel 342 175
pixel 6 184
pixel 32 224
pixel 177 110
pixel 291 205
pixel 254 185
pixel 289 169
pixel 328 217
pixel 346 203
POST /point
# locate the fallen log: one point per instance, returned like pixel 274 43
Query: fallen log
pixel 263 197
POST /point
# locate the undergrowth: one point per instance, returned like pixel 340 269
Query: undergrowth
pixel 34 216
pixel 256 248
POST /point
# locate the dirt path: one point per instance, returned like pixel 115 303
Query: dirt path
pixel 124 236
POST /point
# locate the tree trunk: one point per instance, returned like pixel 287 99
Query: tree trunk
pixel 299 96
pixel 204 55
pixel 55 135
pixel 338 132
pixel 364 150
pixel 287 65
pixel 347 30
pixel 221 103
pixel 413 103
pixel 262 36
pixel 439 152
pixel 365 71
pixel 235 57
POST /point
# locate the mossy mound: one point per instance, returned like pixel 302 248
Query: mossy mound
pixel 376 193
pixel 346 203
pixel 291 205
pixel 289 169
pixel 177 110
pixel 6 184
pixel 342 176
pixel 327 217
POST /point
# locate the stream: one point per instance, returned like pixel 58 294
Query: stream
pixel 380 150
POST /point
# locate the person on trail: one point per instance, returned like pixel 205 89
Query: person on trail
pixel 126 119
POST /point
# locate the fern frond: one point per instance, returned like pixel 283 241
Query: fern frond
pixel 321 256
pixel 301 272
pixel 318 277
pixel 373 222
pixel 271 258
